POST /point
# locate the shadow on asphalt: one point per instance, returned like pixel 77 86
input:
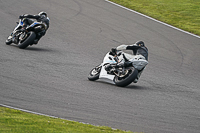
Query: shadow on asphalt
pixel 32 48
pixel 38 49
pixel 131 86
pixel 136 87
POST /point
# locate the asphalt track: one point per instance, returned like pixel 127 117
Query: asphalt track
pixel 51 77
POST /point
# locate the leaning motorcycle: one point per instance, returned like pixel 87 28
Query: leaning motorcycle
pixel 113 69
pixel 24 38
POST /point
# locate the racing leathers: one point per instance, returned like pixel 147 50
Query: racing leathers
pixel 29 19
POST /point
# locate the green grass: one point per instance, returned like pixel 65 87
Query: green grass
pixel 15 121
pixel 183 14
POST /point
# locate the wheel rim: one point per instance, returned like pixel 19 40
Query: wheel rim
pixel 23 38
pixel 124 76
pixel 95 71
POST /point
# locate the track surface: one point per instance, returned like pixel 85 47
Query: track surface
pixel 51 77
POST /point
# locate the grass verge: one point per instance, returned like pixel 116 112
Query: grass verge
pixel 183 14
pixel 15 121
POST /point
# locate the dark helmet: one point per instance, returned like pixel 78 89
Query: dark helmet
pixel 42 13
pixel 140 43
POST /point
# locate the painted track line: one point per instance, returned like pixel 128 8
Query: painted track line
pixel 152 19
pixel 32 112
pixel 28 111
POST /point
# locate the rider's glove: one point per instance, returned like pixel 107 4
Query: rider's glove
pixel 21 16
pixel 113 52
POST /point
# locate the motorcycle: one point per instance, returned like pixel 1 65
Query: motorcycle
pixel 26 37
pixel 114 70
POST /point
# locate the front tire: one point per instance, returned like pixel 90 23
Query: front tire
pixel 94 73
pixel 128 79
pixel 8 41
pixel 28 40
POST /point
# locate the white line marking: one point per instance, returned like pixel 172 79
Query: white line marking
pixel 28 111
pixel 32 112
pixel 153 19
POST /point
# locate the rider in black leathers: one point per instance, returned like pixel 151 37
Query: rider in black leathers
pixel 41 17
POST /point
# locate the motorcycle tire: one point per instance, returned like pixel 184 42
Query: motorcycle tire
pixel 27 41
pixel 94 73
pixel 8 41
pixel 122 82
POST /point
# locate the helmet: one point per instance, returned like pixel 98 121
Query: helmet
pixel 140 43
pixel 42 13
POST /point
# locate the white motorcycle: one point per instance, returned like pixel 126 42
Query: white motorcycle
pixel 114 70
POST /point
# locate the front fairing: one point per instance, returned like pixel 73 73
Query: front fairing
pixel 109 59
pixel 104 76
pixel 19 26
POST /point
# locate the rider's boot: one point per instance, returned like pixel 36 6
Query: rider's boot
pixel 138 76
pixel 35 41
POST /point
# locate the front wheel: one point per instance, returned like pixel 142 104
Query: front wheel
pixel 127 79
pixel 9 40
pixel 94 73
pixel 27 40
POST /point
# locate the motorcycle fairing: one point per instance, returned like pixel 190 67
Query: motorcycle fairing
pixel 108 59
pixel 19 24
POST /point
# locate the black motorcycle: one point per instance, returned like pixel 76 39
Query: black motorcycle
pixel 25 36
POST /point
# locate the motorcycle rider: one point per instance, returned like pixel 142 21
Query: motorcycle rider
pixel 138 48
pixel 40 17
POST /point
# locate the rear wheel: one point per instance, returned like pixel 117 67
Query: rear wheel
pixel 27 40
pixel 126 79
pixel 94 73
